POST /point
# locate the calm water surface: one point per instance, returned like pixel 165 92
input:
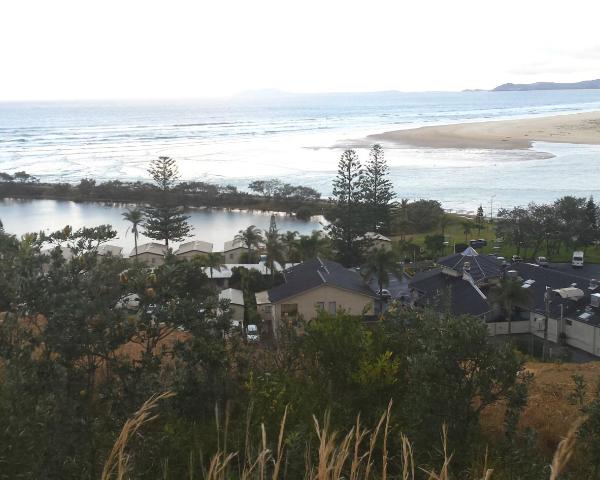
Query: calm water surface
pixel 215 226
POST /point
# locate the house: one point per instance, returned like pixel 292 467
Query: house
pixel 312 286
pixel 153 254
pixel 233 251
pixel 113 250
pixel 563 306
pixel 378 241
pixel 189 250
pixel 236 302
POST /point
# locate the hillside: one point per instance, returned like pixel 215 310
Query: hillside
pixel 548 410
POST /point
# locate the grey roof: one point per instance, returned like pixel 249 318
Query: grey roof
pixel 317 272
pixel 481 267
pixel 152 247
pixel 232 245
pixel 235 297
pixel 113 250
pixel 464 298
pixel 194 246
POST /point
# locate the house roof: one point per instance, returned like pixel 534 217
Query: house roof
pixel 153 248
pixel 194 246
pixel 480 267
pixel 235 297
pixel 110 250
pixel 232 245
pixel 437 287
pixel 570 295
pixel 317 272
pixel 376 236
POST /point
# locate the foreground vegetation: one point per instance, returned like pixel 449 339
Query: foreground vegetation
pixel 75 368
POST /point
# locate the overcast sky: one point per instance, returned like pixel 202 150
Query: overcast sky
pixel 80 49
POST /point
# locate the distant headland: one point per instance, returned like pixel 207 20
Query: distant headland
pixel 519 87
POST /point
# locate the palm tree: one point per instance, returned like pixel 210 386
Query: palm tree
pixel 213 261
pixel 444 221
pixel 508 294
pixel 250 237
pixel 381 264
pixel 467 228
pixel 135 217
pixel 274 250
pixel 313 245
pixel 289 241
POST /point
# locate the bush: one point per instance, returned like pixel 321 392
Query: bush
pixel 304 213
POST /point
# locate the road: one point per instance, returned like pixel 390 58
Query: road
pixel 589 270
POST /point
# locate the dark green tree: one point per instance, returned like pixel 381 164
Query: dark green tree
pixel 165 219
pixel 348 225
pixel 377 191
pixel 479 219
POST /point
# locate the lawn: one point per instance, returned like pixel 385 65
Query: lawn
pixel 455 235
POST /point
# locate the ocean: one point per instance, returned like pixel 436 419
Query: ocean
pixel 299 138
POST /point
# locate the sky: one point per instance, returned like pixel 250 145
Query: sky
pixel 119 49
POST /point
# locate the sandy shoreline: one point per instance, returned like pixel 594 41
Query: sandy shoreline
pixel 582 128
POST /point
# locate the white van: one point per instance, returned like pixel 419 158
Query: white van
pixel 577 261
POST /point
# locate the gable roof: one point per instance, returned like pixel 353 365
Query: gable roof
pixel 317 272
pixel 376 236
pixel 235 297
pixel 110 250
pixel 152 247
pixel 481 267
pixel 194 246
pixel 232 245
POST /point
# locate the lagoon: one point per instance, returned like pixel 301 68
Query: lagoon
pixel 211 225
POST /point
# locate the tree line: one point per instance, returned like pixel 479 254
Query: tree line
pixel 300 200
pixel 569 223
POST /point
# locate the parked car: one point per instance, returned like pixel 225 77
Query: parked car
pixel 501 259
pixel 252 335
pixel 516 259
pixel 478 243
pixel 542 261
pixel 385 294
pixel 577 260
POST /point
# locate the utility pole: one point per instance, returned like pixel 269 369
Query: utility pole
pixel 492 209
pixel 546 316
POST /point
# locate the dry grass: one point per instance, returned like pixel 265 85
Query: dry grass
pixel 117 464
pixel 350 456
pixel 548 409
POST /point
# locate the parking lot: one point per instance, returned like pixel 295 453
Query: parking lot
pixel 589 270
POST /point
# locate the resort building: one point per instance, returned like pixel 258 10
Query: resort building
pixel 312 286
pixel 192 249
pixel 562 305
pixel 236 302
pixel 153 254
pixel 113 250
pixel 378 241
pixel 233 251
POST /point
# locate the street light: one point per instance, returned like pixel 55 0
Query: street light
pixel 492 208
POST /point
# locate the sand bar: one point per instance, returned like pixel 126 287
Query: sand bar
pixel 582 128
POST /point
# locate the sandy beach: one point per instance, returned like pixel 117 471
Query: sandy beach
pixel 579 128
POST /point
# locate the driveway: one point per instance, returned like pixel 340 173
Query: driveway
pixel 398 287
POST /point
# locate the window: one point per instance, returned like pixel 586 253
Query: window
pixel 332 308
pixel 289 310
pixel 320 306
pixel 231 255
pixel 568 322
